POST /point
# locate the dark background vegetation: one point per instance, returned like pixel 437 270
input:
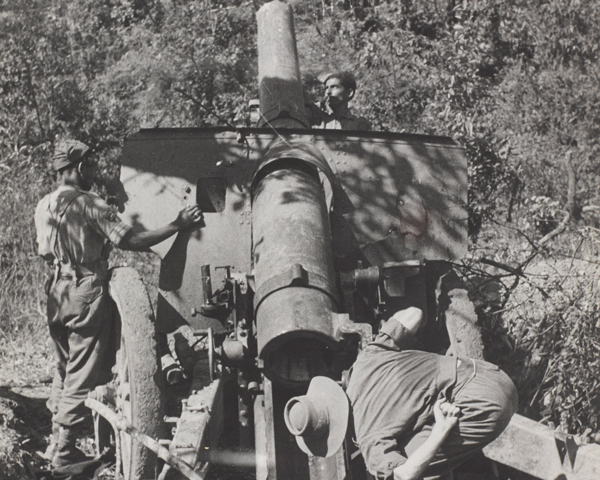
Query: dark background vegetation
pixel 515 82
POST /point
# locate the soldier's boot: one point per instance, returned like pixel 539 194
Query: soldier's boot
pixel 172 372
pixel 66 451
pixel 52 444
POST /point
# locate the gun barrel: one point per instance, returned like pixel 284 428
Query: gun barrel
pixel 280 85
pixel 296 294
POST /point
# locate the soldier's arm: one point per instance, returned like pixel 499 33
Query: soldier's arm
pixel 187 218
pixel 446 417
pixel 398 333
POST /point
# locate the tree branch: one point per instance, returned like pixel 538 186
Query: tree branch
pixel 590 208
pixel 572 207
pixel 515 271
pixel 34 99
pixel 545 239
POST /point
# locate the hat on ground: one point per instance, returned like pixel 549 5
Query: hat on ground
pixel 319 419
pixel 67 153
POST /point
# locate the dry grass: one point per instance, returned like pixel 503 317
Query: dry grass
pixel 25 349
pixel 543 327
pixel 554 320
pixel 25 353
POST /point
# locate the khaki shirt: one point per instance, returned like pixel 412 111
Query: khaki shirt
pixel 85 224
pixel 344 121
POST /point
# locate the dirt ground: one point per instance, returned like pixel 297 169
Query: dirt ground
pixel 25 422
pixel 24 427
pixel 25 377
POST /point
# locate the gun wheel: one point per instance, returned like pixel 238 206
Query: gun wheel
pixel 138 397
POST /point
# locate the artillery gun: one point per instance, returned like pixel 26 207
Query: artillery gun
pixel 311 238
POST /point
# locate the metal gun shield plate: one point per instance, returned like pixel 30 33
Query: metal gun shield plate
pixel 408 199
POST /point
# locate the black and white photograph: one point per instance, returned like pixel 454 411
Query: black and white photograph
pixel 299 240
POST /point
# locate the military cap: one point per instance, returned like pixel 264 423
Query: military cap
pixel 69 152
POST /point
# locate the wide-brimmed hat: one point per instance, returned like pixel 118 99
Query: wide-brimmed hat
pixel 319 419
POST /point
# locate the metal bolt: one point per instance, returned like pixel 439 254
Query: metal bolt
pixel 185 445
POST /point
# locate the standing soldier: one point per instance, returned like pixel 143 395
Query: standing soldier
pixel 74 230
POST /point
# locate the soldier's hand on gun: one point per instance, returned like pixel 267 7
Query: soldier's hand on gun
pixel 446 416
pixel 189 217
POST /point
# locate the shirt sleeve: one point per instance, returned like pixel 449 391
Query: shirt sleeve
pixel 105 221
pixel 43 227
pixel 382 456
pixel 395 336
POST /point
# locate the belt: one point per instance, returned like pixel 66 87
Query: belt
pixel 67 271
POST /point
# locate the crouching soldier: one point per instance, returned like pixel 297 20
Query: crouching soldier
pixel 416 414
pixel 74 231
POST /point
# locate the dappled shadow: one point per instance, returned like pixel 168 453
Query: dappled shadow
pixel 27 416
pixel 408 196
pixel 408 191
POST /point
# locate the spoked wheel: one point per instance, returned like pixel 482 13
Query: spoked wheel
pixel 138 397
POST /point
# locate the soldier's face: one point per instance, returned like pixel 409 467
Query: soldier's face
pixel 335 93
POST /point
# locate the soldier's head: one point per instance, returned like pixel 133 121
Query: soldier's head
pixel 339 89
pixel 73 164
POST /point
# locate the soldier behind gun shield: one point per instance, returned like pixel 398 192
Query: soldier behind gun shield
pixel 332 111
